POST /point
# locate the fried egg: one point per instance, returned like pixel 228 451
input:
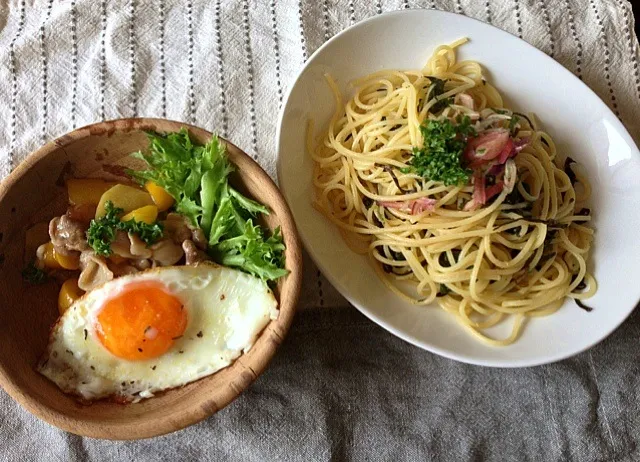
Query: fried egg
pixel 151 331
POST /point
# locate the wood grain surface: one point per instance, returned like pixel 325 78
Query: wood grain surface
pixel 33 194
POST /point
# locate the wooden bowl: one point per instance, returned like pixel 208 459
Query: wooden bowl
pixel 34 193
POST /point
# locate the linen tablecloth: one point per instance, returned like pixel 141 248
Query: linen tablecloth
pixel 340 388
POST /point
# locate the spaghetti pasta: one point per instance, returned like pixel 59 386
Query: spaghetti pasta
pixel 502 235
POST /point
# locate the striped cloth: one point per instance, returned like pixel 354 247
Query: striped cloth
pixel 225 66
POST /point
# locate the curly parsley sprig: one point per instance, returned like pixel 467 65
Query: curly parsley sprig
pixel 34 275
pixel 440 158
pixel 102 232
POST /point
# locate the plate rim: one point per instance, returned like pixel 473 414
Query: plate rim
pixel 343 290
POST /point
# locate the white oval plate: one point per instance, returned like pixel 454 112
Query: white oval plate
pixel 581 125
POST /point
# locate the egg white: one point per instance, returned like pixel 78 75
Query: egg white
pixel 226 310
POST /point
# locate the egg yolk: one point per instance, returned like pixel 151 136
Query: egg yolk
pixel 141 322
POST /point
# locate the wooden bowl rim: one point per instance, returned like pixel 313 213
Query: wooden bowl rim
pixel 146 428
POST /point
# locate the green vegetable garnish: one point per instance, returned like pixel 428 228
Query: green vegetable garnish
pixel 253 253
pixel 435 90
pixel 440 158
pixel 197 178
pixel 512 124
pixel 33 275
pixel 148 233
pixel 102 231
pixel 444 290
